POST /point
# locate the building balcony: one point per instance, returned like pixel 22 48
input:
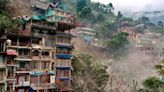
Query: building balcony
pixel 23 84
pixel 2 77
pixel 37 35
pixel 38 72
pixel 2 81
pixel 43 86
pixel 23 58
pixel 18 32
pixel 2 51
pixel 43 26
pixel 11 52
pixel 20 45
pixel 2 65
pixel 46 58
pixel 64 56
pixel 2 46
pixel 25 33
pixel 63 65
pixel 64 45
pixel 59 33
pixel 36 58
pixel 11 78
pixel 13 43
pixel 63 78
pixel 23 71
pixel 65 85
pixel 25 44
pixel 12 63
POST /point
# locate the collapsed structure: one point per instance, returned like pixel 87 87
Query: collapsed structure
pixel 36 57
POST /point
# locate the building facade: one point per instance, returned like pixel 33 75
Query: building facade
pixel 36 57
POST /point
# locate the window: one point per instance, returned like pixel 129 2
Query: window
pixel 26 78
pixel 22 65
pixel 24 52
pixel 36 53
pixel 33 65
pixel 35 41
pixel 1 59
pixel 52 66
pixel 45 65
pixel 34 79
pixel 66 83
pixel 66 73
pixel 53 55
pixel 45 53
pixel 1 47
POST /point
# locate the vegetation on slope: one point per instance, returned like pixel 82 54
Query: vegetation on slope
pixel 4 17
pixel 89 76
pixel 154 84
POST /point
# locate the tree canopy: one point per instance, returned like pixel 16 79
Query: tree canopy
pixel 83 9
pixel 117 42
pixel 153 84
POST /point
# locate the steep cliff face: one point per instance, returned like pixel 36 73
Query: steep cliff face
pixel 20 8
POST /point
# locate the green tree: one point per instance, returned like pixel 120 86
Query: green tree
pixel 160 24
pixel 144 20
pixel 119 15
pixel 83 9
pixel 85 66
pixel 117 42
pixel 5 22
pixel 3 4
pixel 152 84
pixel 160 68
pixel 110 7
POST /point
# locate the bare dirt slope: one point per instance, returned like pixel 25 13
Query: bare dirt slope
pixel 126 73
pixel 20 8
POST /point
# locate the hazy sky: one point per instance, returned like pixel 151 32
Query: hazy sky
pixel 135 5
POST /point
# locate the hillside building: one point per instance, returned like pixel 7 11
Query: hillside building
pixel 37 56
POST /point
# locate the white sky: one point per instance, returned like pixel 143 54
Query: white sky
pixel 135 5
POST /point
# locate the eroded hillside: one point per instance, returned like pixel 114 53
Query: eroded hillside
pixel 20 8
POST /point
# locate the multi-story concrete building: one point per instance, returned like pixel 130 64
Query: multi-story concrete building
pixel 37 56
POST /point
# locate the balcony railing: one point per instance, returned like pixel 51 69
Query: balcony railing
pixel 23 69
pixel 19 32
pixel 46 58
pixel 63 43
pixel 64 56
pixel 13 43
pixel 25 33
pixel 24 56
pixel 43 26
pixel 23 83
pixel 11 63
pixel 58 33
pixel 2 78
pixel 11 76
pixel 2 65
pixel 63 65
pixel 24 44
pixel 63 74
pixel 36 58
